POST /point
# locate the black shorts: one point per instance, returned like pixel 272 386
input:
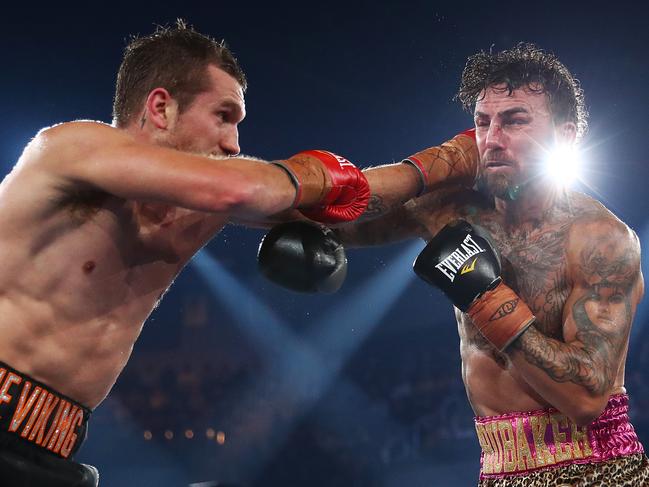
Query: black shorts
pixel 40 430
pixel 24 465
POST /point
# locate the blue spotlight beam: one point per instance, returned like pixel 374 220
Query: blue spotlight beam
pixel 341 331
pixel 298 376
pixel 259 322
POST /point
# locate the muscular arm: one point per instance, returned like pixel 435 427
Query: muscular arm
pixel 421 217
pixel 400 223
pixel 452 163
pixel 102 157
pixel 577 375
pixel 391 186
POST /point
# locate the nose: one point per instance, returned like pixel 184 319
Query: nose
pixel 604 306
pixel 495 136
pixel 229 143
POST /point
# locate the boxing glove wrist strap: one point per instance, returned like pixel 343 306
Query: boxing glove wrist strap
pixel 501 316
pixel 455 161
pixel 308 177
pixel 294 180
pixel 421 171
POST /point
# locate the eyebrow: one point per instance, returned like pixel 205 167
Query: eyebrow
pixel 233 106
pixel 507 113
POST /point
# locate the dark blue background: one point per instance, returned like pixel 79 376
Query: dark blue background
pixel 373 81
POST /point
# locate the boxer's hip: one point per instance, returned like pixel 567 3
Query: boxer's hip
pixel 37 416
pixel 522 443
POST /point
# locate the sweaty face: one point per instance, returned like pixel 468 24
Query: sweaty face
pixel 209 125
pixel 513 132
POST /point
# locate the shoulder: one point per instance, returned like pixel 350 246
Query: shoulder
pixel 600 243
pixel 593 222
pixel 69 136
pixel 82 127
pixel 56 147
pixel 76 134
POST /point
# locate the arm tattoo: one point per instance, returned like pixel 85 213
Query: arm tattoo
pixel 375 207
pixel 602 317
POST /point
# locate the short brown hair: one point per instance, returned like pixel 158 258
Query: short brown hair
pixel 526 65
pixel 174 58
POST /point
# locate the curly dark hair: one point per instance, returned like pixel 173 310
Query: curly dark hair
pixel 174 58
pixel 525 65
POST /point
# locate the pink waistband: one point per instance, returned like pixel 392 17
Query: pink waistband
pixel 523 442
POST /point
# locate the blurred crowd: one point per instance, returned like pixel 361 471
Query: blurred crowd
pixel 399 399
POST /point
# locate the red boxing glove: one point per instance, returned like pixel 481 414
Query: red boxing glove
pixel 329 188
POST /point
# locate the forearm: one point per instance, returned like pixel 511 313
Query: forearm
pixel 391 186
pixel 263 191
pixel 385 220
pixel 454 162
pixel 239 188
pixel 567 375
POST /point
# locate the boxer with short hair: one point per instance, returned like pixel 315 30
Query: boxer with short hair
pixel 98 220
pixel 545 283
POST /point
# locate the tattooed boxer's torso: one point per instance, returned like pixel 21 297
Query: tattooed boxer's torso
pixel 536 260
pixel 541 258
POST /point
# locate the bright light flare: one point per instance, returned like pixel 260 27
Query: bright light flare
pixel 563 165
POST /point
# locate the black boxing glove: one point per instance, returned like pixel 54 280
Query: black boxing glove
pixel 304 257
pixel 462 262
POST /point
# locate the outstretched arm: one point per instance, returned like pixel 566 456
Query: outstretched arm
pixel 97 156
pixel 454 162
pixel 411 198
pixel 420 217
pixel 390 187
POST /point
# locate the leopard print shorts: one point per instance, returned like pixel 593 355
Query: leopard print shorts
pixel 629 471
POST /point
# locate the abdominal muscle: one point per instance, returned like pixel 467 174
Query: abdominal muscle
pixel 494 387
pixel 70 315
pixel 74 294
pixel 79 359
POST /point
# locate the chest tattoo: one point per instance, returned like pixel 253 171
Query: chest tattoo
pixel 534 266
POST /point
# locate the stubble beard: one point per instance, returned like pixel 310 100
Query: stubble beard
pixel 500 186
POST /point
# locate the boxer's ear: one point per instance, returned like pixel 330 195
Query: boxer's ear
pixel 566 133
pixel 161 109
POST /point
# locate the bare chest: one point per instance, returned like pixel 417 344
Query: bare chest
pixel 104 260
pixel 534 265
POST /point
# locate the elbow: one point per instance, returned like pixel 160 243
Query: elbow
pixel 588 411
